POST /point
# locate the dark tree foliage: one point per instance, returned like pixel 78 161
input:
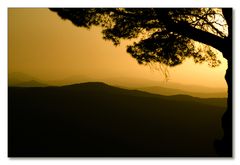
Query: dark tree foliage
pixel 167 36
pixel 160 40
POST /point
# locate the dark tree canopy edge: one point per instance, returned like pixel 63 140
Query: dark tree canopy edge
pixel 168 35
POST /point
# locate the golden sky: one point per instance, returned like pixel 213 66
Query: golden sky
pixel 44 46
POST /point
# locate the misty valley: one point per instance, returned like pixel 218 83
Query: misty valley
pixel 96 119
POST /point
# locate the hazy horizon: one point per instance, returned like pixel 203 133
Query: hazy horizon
pixel 55 52
pixel 18 77
pixel 135 83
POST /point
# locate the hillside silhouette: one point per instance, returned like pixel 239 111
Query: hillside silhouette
pixel 172 91
pixel 95 119
pixel 18 79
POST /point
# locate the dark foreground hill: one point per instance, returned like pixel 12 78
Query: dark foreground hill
pixel 94 119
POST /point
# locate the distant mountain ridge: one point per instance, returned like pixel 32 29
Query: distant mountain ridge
pixel 151 86
pixel 96 87
pixel 170 91
pixel 180 97
pixel 24 80
pixel 31 83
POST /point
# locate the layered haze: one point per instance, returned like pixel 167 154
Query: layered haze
pixel 45 50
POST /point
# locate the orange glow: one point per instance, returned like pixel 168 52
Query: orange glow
pixel 48 48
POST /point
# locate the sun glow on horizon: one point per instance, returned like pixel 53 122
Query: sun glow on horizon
pixel 46 47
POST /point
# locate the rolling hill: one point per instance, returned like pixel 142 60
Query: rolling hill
pixel 95 119
pixel 19 79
